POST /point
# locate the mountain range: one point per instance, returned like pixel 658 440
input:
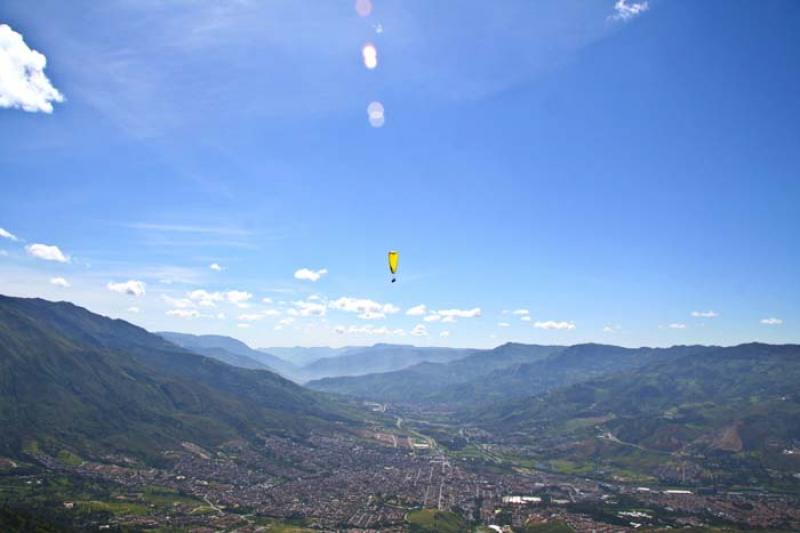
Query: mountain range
pixel 72 379
pixel 710 415
pixel 509 371
pixel 77 381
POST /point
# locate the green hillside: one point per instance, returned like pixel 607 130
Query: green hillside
pixel 73 379
pixel 722 415
pixel 509 371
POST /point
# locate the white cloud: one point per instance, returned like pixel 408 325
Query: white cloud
pixel 179 303
pixel 445 334
pixel 520 312
pixel 677 326
pixel 705 314
pixel 266 300
pixel 772 321
pixel 503 324
pixel 238 297
pixel 460 313
pixel 611 328
pixel 271 312
pixel 369 329
pixel 59 282
pixel 552 324
pixel 23 83
pixel 310 275
pixel 417 310
pixel 216 267
pixel 526 318
pixel 47 252
pixel 371 315
pixel 5 234
pixel 305 308
pixel 419 331
pixel 626 11
pixel 184 313
pixel 131 287
pixel 133 309
pixel 243 326
pixel 366 309
pixel 205 298
pixel 286 321
pixel 448 316
pixel 251 317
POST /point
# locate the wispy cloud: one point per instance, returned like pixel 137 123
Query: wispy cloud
pixel 305 308
pixel 184 313
pixel 552 324
pixel 190 228
pixel 23 83
pixel 417 310
pixel 624 10
pixel 366 309
pixel 5 234
pixel 216 267
pixel 772 321
pixel 419 330
pixel 705 314
pixel 450 316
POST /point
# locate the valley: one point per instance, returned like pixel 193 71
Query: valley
pixel 581 438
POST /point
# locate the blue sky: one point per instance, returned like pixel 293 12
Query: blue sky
pixel 609 170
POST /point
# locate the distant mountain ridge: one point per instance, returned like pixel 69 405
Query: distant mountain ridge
pixel 380 358
pixel 509 371
pixel 231 351
pixel 302 356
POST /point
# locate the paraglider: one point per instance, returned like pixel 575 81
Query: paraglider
pixel 393 258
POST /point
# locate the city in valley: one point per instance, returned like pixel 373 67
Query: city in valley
pixel 377 479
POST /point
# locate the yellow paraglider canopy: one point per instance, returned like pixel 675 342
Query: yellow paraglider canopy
pixel 393 259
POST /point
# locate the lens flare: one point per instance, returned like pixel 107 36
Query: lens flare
pixel 375 114
pixel 370 54
pixel 363 7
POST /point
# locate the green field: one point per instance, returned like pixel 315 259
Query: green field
pixel 435 521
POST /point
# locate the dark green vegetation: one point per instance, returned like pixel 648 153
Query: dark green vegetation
pixel 721 415
pixel 73 380
pixel 434 521
pixel 35 502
